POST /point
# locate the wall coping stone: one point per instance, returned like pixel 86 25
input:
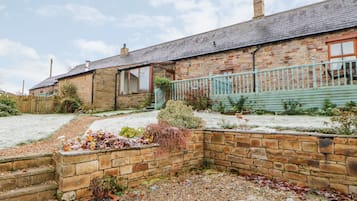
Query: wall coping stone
pixel 24 157
pixel 281 133
pixel 86 152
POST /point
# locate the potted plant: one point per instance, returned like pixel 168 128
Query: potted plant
pixel 104 189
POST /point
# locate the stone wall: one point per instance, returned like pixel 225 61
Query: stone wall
pixel 104 88
pixel 318 161
pixel 278 54
pixel 130 167
pixel 133 100
pixel 315 160
pixel 83 83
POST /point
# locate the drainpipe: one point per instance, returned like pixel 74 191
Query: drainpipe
pixel 115 90
pixel 93 75
pixel 254 67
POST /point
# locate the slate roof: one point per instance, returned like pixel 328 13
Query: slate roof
pixel 48 82
pixel 326 16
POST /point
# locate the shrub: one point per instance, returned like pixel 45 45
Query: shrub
pixel 68 105
pixel 129 132
pixel 292 107
pixel 198 99
pixel 177 114
pixel 162 82
pixel 68 101
pixel 7 106
pixel 346 119
pixel 327 108
pixel 240 105
pixel 103 187
pixel 169 138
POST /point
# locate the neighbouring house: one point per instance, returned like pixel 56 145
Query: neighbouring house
pixel 47 87
pixel 245 54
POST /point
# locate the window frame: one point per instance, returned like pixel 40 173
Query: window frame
pixel 341 41
pixel 128 74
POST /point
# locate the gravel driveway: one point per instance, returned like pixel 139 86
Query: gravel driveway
pixel 263 122
pixel 28 127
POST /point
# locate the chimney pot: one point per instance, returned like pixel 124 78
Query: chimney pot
pixel 258 8
pixel 124 51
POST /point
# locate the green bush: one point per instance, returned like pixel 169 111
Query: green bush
pixel 7 106
pixel 292 107
pixel 179 115
pixel 327 108
pixel 162 82
pixel 240 105
pixel 68 102
pixel 345 119
pixel 199 102
pixel 129 132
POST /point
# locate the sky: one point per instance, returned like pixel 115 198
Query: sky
pixel 71 32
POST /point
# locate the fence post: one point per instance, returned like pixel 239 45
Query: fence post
pixel 210 85
pixel 256 84
pixel 314 73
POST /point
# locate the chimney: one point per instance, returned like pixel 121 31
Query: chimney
pixel 258 9
pixel 124 51
pixel 87 65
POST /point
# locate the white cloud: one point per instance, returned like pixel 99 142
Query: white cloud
pixel 20 62
pixel 81 13
pixel 10 48
pixel 94 48
pixel 87 14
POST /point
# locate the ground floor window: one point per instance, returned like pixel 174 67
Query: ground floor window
pixel 135 80
pixel 342 49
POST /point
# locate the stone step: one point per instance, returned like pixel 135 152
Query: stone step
pixel 25 178
pixel 24 162
pixel 41 192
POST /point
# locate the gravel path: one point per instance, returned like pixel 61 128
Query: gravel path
pixel 28 127
pixel 209 185
pixel 74 128
pixel 263 122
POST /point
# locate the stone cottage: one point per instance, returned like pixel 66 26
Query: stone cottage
pixel 324 31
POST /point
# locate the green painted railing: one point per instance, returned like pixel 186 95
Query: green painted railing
pixel 309 76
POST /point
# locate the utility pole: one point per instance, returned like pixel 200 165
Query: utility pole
pixel 51 62
pixel 23 87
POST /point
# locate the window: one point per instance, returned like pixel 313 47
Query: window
pixel 135 80
pixel 342 50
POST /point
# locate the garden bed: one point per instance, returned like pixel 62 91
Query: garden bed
pixel 212 185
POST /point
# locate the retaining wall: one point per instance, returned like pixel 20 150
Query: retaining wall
pixel 318 161
pixel 131 167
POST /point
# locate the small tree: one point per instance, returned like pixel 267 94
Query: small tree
pixel 69 101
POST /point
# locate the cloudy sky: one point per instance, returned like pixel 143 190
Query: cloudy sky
pixel 70 32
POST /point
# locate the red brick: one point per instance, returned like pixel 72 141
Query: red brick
pixel 255 142
pixel 348 150
pixel 140 167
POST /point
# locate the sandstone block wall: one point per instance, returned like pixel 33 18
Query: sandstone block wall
pixel 133 100
pixel 83 83
pixel 104 88
pixel 130 167
pixel 278 54
pixel 318 161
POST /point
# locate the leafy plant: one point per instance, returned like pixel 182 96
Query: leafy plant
pixel 177 114
pixel 220 107
pixel 240 105
pixel 7 106
pixel 198 99
pixel 292 107
pixel 327 108
pixel 346 119
pixel 169 138
pixel 68 101
pixel 103 187
pixel 162 82
pixel 129 132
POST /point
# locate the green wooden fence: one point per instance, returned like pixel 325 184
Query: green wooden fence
pixel 309 84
